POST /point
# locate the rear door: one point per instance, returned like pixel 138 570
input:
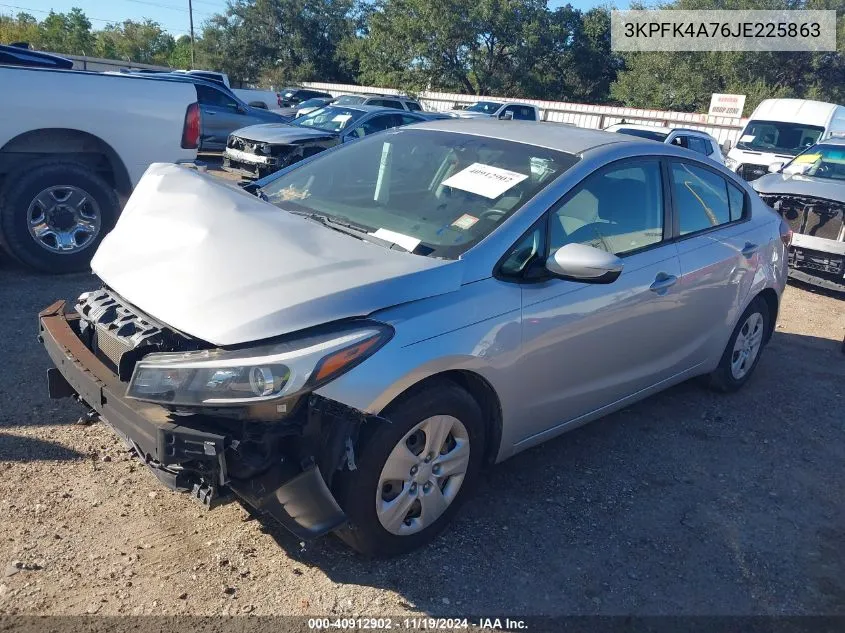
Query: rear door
pixel 717 250
pixel 221 115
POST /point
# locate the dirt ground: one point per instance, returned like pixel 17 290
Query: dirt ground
pixel 688 503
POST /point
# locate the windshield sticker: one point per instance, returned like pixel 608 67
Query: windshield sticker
pixel 465 221
pixel 405 241
pixel 342 118
pixel 746 138
pixel 806 158
pixel 484 180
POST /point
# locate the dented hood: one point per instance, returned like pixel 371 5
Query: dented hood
pixel 800 185
pixel 282 134
pixel 216 263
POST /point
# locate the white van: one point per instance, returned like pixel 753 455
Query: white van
pixel 779 129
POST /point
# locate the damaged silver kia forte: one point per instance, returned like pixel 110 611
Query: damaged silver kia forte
pixel 344 349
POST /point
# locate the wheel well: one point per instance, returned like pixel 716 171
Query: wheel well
pixel 481 391
pixel 81 147
pixel 771 298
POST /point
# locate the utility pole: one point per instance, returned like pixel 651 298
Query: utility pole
pixel 191 18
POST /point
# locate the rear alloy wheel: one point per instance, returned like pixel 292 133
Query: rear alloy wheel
pixel 413 471
pixel 742 352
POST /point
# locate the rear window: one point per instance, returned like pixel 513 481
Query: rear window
pixel 649 134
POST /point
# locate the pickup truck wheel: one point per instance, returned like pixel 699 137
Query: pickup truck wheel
pixel 54 214
pixel 414 472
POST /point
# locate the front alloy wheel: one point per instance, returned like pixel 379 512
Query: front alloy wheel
pixel 413 470
pixel 423 475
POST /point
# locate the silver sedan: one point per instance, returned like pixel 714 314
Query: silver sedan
pixel 352 344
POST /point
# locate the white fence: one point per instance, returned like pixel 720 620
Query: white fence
pixel 580 114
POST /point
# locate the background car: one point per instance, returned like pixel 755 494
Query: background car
pixel 693 140
pixel 312 104
pixel 809 193
pixel 259 150
pixel 221 111
pixel 290 98
pixel 398 102
pixel 498 110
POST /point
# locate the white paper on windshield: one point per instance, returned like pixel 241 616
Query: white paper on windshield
pixel 484 180
pixel 342 118
pixel 747 138
pixel 405 241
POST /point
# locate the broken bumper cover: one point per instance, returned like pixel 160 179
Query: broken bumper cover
pixel 297 497
pixel 248 165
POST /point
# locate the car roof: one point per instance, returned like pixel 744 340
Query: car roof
pixel 564 138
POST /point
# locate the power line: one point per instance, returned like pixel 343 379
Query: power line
pixel 164 6
pixel 103 20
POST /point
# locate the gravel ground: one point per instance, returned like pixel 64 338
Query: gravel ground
pixel 687 503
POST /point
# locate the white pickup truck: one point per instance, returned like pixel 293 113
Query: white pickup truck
pixel 67 162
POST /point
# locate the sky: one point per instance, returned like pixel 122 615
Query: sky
pixel 171 14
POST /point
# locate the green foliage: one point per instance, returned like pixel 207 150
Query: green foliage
pixel 516 48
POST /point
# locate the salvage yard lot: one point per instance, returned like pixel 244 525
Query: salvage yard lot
pixel 687 503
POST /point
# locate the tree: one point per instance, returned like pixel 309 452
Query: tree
pixel 143 41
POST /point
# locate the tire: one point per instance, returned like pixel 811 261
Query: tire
pixel 359 491
pixel 52 181
pixel 725 377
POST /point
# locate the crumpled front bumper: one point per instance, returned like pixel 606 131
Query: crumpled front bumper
pixel 295 494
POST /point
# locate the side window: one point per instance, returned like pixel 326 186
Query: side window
pixel 413 106
pixel 701 198
pixel 210 96
pixel 736 199
pixel 391 103
pixel 521 113
pixel 681 141
pixel 407 119
pixel 699 145
pixel 530 246
pixel 376 124
pixel 619 210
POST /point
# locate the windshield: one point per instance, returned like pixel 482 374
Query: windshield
pixel 441 192
pixel 649 134
pixel 312 103
pixel 348 100
pixel 331 118
pixel 778 137
pixel 821 161
pixel 487 107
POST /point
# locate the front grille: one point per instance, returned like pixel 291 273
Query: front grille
pixel 751 172
pixel 809 216
pixel 120 334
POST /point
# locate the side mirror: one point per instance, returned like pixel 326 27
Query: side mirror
pixel 726 147
pixel 506 116
pixel 579 262
pixel 775 168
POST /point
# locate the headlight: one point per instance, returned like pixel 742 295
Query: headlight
pixel 239 377
pixel 731 163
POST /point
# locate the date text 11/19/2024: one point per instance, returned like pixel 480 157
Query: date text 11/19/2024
pixel 417 623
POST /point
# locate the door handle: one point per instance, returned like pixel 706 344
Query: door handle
pixel 662 283
pixel 749 249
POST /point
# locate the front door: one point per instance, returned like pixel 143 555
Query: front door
pixel 587 346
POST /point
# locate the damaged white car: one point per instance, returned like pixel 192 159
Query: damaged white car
pixel 344 349
pixel 809 192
